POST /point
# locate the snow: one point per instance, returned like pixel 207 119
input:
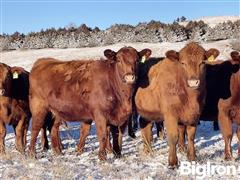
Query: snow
pixel 26 58
pixel 212 21
pixel 134 164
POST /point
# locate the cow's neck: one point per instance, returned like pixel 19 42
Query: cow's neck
pixel 124 90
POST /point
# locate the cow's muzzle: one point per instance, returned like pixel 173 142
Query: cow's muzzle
pixel 129 78
pixel 2 92
pixel 193 83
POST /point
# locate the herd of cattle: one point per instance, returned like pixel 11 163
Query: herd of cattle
pixel 178 90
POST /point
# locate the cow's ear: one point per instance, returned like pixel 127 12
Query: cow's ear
pixel 235 56
pixel 110 54
pixel 144 54
pixel 211 54
pixel 172 55
pixel 16 71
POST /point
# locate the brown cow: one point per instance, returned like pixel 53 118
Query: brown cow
pixel 117 132
pixel 14 107
pixel 176 94
pixel 218 78
pixel 229 111
pixel 83 91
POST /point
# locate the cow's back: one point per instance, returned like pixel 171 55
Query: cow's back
pixel 52 74
pixel 70 88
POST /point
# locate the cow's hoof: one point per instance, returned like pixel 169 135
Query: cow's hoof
pixel 161 137
pixel 21 150
pixel 173 167
pixel 182 149
pixel 57 152
pixel 31 155
pixel 191 157
pixel 238 158
pixel 117 155
pixel 102 156
pixel 228 158
pixel 147 150
pixel 45 149
pixel 109 150
pixel 132 135
pixel 79 152
pixel 2 150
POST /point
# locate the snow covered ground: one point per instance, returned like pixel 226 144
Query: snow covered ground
pixel 212 21
pixel 134 164
pixel 26 58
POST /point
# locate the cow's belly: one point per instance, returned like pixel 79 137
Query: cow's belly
pixel 147 104
pixel 235 114
pixel 69 110
pixel 190 114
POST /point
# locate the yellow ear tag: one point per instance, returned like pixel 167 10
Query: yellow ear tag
pixel 211 58
pixel 15 75
pixel 143 59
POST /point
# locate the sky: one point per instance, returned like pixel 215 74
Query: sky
pixel 26 16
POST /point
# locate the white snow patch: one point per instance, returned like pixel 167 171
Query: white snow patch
pixel 212 21
pixel 26 58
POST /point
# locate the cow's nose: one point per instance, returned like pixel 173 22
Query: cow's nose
pixel 130 78
pixel 193 83
pixel 2 91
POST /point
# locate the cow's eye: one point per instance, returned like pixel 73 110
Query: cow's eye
pixel 183 63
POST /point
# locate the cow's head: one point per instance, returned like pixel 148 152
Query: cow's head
pixel 235 56
pixel 192 59
pixel 127 59
pixel 5 78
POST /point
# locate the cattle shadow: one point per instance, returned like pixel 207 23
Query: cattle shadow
pixel 205 132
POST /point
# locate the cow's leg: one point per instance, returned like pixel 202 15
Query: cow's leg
pixel 14 128
pixel 84 131
pixel 56 146
pixel 25 133
pixel 226 128
pixel 39 113
pixel 215 125
pixel 146 131
pixel 109 146
pixel 101 127
pixel 135 120
pixel 115 136
pixel 160 129
pixel 191 132
pixel 120 136
pixel 181 138
pixel 131 132
pixel 2 137
pixel 48 123
pixel 171 125
pixel 44 139
pixel 20 134
pixel 238 135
